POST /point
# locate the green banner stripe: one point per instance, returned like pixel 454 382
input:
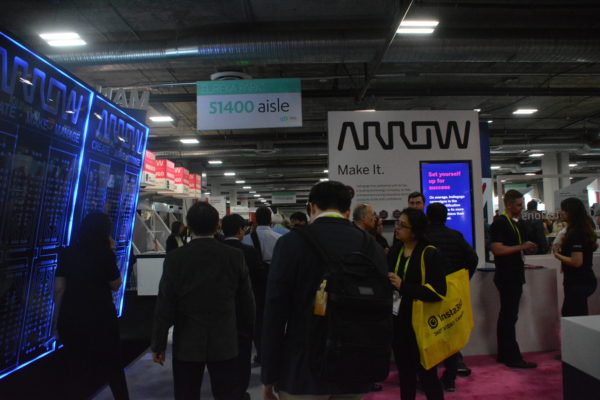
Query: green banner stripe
pixel 248 86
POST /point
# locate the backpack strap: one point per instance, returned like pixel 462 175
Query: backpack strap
pixel 256 243
pixel 305 233
pixel 427 285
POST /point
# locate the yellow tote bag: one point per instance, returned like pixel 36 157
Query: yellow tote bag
pixel 443 328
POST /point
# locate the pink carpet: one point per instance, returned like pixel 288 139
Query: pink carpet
pixel 493 381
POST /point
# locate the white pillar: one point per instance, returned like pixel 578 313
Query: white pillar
pixel 233 198
pixel 550 167
pixel 564 169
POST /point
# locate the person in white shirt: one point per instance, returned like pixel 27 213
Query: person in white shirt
pixel 266 236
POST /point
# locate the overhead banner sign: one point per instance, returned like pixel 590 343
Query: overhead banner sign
pixel 379 155
pixel 283 198
pixel 249 104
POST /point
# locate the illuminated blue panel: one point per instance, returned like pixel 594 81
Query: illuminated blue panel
pixel 51 173
pixel 110 176
pixel 450 183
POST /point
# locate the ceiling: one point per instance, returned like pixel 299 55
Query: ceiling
pixel 487 54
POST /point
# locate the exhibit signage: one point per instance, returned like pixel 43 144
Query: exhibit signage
pixel 249 103
pixel 149 175
pixel 220 203
pixel 165 176
pixel 449 183
pixel 283 198
pixel 378 155
pixel 64 151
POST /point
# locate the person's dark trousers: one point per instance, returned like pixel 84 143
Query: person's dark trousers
pixel 187 379
pixel 508 348
pixel 451 368
pixel 406 355
pixel 576 299
pixel 241 376
pixel 258 322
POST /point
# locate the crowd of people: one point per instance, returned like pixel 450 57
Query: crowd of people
pixel 235 284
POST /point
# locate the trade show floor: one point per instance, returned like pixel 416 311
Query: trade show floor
pixel 42 379
pixel 488 381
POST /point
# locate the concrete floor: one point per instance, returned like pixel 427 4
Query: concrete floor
pixel 150 381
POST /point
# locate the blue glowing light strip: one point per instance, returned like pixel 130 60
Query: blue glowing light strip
pixel 81 154
pixel 29 362
pixel 137 198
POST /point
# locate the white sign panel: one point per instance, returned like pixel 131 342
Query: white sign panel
pixel 248 104
pixel 380 156
pixel 283 198
pixel 220 203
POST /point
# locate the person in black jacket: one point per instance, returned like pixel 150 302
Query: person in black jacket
pixel 405 275
pixel 295 274
pixel 233 229
pixel 457 254
pixel 175 239
pixel 86 318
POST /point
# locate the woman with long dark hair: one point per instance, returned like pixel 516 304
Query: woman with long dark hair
pixel 575 255
pixel 405 276
pixel 175 239
pixel 86 317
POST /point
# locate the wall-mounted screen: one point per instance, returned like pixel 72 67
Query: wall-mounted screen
pixel 51 173
pixel 450 183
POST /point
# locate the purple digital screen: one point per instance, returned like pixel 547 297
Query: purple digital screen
pixel 449 183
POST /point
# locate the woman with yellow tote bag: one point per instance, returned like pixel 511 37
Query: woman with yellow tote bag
pixel 406 277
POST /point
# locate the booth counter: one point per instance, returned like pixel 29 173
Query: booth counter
pixel 539 313
pixel 149 268
pixel 580 355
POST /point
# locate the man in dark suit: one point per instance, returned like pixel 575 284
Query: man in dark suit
pixel 295 273
pixel 233 230
pixel 205 293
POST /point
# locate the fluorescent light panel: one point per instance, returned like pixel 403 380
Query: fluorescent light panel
pixel 525 111
pixel 240 182
pixel 325 171
pixel 246 187
pixel 323 179
pixel 495 167
pixel 63 39
pixel 215 162
pixel 420 23
pixel 161 118
pixel 530 174
pixel 229 173
pixel 536 155
pixel 257 195
pixel 572 165
pixel 189 141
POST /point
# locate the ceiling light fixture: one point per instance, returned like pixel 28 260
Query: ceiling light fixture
pixel 252 191
pixel 525 111
pixel 229 173
pixel 63 39
pixel 419 27
pixel 162 118
pixel 530 174
pixel 246 187
pixel 490 121
pixel 240 182
pixel 215 162
pixel 477 109
pixel 325 171
pixel 204 174
pixel 257 195
pixel 495 167
pixel 573 165
pixel 206 193
pixel 323 179
pixel 189 141
pixel 536 155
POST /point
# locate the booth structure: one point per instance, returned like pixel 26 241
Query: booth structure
pixel 64 151
pixel 580 356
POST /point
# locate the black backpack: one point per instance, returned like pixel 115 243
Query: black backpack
pixel 351 343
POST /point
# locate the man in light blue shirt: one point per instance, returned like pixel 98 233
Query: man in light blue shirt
pixel 266 236
pixel 263 239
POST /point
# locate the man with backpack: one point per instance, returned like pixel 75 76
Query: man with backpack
pixel 327 320
pixel 263 239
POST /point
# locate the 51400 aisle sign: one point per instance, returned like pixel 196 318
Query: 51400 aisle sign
pixel 248 104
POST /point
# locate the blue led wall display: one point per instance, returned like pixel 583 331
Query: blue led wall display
pixel 63 151
pixel 449 183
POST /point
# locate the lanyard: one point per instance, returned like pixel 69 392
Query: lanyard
pixel 398 264
pixel 514 227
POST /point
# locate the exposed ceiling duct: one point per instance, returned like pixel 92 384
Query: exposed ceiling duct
pixel 314 151
pixel 342 47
